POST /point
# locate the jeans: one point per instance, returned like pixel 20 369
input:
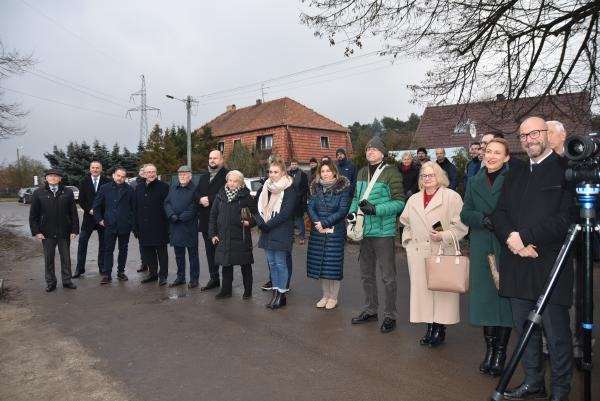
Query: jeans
pixel 299 221
pixel 110 240
pixel 279 269
pixel 288 261
pixel 84 237
pixel 194 263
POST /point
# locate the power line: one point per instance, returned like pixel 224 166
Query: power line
pixel 104 94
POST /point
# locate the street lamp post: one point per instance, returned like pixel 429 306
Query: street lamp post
pixel 188 106
pixel 19 175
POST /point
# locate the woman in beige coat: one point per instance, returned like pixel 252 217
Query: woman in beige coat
pixel 433 205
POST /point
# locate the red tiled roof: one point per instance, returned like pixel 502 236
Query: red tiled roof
pixel 274 113
pixel 438 123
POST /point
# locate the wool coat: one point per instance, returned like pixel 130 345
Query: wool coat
pixel 445 206
pixel 181 201
pixel 86 200
pixel 410 179
pixel 536 205
pixel 235 240
pixel 278 232
pixel 151 223
pixel 486 307
pixel 53 216
pixel 115 205
pixel 210 188
pixel 325 257
pixel 301 186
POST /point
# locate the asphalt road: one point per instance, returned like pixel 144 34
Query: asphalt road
pixel 181 344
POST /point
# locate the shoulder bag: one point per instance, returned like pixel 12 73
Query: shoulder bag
pixel 448 272
pixel 355 230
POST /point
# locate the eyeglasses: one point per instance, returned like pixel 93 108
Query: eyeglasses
pixel 424 176
pixel 533 134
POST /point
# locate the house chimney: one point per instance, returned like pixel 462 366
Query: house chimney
pixel 500 97
pixel 230 107
pixel 258 101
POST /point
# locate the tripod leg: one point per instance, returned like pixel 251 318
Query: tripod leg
pixel 535 317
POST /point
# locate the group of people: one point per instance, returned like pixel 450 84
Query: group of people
pixel 517 213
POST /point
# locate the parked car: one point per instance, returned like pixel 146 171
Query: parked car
pixel 254 184
pixel 28 194
pixel 75 191
pixel 23 192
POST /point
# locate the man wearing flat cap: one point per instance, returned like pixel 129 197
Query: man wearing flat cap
pixel 53 219
pixel 380 208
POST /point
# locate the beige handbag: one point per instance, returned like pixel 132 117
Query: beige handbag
pixel 494 270
pixel 448 272
pixel 355 230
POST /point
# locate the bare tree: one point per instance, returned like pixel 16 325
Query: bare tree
pixel 11 62
pixel 517 48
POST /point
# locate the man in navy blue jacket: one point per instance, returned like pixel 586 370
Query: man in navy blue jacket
pixel 346 167
pixel 448 167
pixel 114 210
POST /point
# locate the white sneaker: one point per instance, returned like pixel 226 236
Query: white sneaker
pixel 322 303
pixel 331 303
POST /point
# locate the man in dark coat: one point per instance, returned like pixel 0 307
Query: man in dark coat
pixel 53 219
pixel 531 219
pixel 301 186
pixel 448 167
pixel 114 210
pixel 346 167
pixel 151 226
pixel 87 192
pixel 180 207
pixel 206 191
pixel 474 165
pixel 139 180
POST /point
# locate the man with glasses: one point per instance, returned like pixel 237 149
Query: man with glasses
pixel 531 220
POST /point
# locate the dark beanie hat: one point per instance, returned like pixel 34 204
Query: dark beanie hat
pixel 378 144
pixel 340 150
pixel 422 150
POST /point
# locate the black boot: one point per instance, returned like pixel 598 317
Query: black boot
pixel 279 300
pixel 247 279
pixel 438 335
pixel 226 283
pixel 270 304
pixel 497 366
pixel 489 334
pixel 426 339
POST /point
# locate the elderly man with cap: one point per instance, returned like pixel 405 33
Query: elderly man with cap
pixel 53 219
pixel 346 167
pixel 384 203
pixel 181 210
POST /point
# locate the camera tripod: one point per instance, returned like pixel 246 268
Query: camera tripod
pixel 588 196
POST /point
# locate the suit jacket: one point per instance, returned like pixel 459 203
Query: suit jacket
pixel 537 205
pixel 115 205
pixel 209 188
pixel 86 200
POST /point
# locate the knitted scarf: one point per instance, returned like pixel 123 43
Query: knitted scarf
pixel 269 207
pixel 231 193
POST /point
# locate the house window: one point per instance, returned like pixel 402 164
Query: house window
pixel 264 142
pixel 221 147
pixel 324 142
pixel 237 141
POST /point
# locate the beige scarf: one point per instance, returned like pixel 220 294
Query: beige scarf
pixel 271 207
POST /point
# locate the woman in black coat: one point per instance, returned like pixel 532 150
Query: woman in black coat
pixel 410 174
pixel 229 229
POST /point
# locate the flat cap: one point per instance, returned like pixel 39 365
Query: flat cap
pixel 54 171
pixel 184 169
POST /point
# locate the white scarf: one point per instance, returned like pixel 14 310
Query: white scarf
pixel 268 208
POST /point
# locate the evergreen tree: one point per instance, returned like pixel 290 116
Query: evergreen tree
pixel 242 158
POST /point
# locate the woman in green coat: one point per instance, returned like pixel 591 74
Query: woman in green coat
pixel 486 307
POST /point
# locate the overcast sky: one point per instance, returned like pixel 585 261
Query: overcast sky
pixel 183 48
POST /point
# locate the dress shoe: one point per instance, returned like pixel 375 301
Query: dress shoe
pixel 177 282
pixel 426 339
pixel 142 268
pixel 149 279
pixel 268 286
pixel 526 392
pixel 162 281
pixel 106 279
pixel 122 276
pixel 388 325
pixel 364 317
pixel 212 283
pixel 50 287
pixel 223 294
pixel 247 294
pixel 322 303
pixel 70 286
pixel 331 303
pixel 77 274
pixel 193 284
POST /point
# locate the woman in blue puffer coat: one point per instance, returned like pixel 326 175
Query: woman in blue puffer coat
pixel 328 207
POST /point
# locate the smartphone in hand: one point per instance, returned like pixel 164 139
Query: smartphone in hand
pixel 437 226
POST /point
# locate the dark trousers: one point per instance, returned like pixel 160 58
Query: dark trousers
pixel 50 245
pixel 194 262
pixel 110 240
pixel 142 261
pixel 84 237
pixel 155 256
pixel 555 320
pixel 379 251
pixel 210 257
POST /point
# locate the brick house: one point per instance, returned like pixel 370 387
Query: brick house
pixel 450 126
pixel 281 127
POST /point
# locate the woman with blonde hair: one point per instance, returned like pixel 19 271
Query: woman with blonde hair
pixel 431 219
pixel 276 203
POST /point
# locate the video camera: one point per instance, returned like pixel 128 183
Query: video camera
pixel 583 153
